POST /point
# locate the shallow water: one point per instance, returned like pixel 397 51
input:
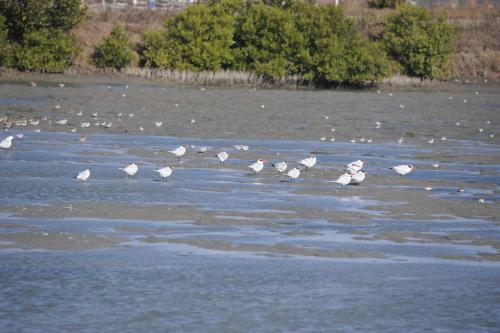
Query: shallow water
pixel 218 249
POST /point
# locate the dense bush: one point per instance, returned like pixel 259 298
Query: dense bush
pixel 419 44
pixel 385 3
pixel 114 51
pixel 274 39
pixel 46 51
pixel 36 33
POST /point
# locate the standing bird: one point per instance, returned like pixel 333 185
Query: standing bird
pixel 281 166
pixel 130 170
pixel 293 174
pixel 343 180
pixel 178 152
pixel 222 156
pixel 165 172
pixel 84 175
pixel 403 169
pixel 354 167
pixel 358 177
pixel 6 143
pixel 309 162
pixel 201 150
pixel 257 166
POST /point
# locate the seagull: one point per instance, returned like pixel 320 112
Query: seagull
pixel 130 170
pixel 403 169
pixel 73 130
pixel 343 180
pixel 178 152
pixel 79 114
pixel 20 136
pixel 293 174
pixel 222 156
pixel 201 150
pixel 62 122
pixel 159 123
pixel 428 188
pixel 86 124
pixel 95 114
pixel 6 143
pixel 358 177
pixel 401 140
pixel 435 165
pixel 82 138
pixel 164 172
pixel 309 162
pixel 354 167
pixel 281 166
pixel 35 122
pixel 431 141
pixel 84 175
pixel 257 166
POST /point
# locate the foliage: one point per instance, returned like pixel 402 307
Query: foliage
pixel 154 49
pixel 25 16
pixel 46 51
pixel 385 3
pixel 4 42
pixel 114 51
pixel 421 46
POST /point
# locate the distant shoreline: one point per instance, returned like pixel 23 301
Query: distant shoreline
pixel 228 78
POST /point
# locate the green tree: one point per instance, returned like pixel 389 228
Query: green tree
pixel 155 49
pixel 267 41
pixel 25 16
pixel 422 46
pixel 114 51
pixel 386 3
pixel 45 50
pixel 4 42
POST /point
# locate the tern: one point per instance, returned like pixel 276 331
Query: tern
pixel 403 169
pixel 257 166
pixel 6 143
pixel 354 167
pixel 293 174
pixel 130 170
pixel 358 177
pixel 159 123
pixel 62 122
pixel 280 166
pixel 86 124
pixel 178 152
pixel 222 156
pixel 202 150
pixel 84 175
pixel 309 162
pixel 343 180
pixel 164 172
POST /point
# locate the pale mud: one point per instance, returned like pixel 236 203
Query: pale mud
pixel 247 113
pixel 277 249
pixel 57 241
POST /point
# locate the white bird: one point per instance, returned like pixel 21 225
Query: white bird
pixel 61 85
pixel 73 130
pixel 403 169
pixel 257 166
pixel 130 170
pixel 165 172
pixel 178 152
pixel 354 167
pixel 95 114
pixel 222 156
pixel 428 188
pixel 62 122
pixel 159 123
pixel 435 165
pixel 20 136
pixel 401 140
pixel 35 122
pixel 309 162
pixel 343 180
pixel 202 150
pixel 431 141
pixel 358 177
pixel 79 113
pixel 6 143
pixel 85 124
pixel 130 115
pixel 84 175
pixel 281 166
pixel 293 174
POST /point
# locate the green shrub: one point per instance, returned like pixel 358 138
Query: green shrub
pixel 199 38
pixel 25 16
pixel 114 51
pixel 46 51
pixel 385 3
pixel 154 49
pixel 4 42
pixel 422 46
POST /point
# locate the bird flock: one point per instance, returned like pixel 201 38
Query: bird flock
pixel 353 173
